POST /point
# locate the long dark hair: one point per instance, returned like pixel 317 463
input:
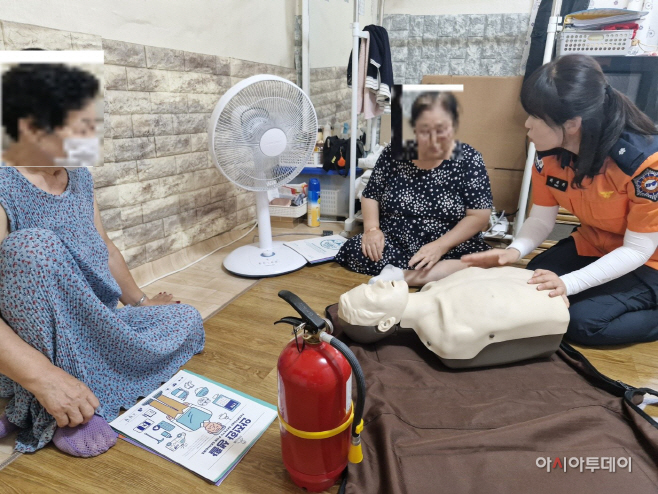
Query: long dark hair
pixel 574 86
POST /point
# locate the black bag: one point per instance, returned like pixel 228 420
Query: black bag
pixel 335 148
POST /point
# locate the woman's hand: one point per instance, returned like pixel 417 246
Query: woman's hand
pixel 66 398
pixel 162 298
pixel 427 256
pixel 372 245
pixel 492 258
pixel 548 280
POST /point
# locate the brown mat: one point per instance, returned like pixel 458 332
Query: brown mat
pixel 432 429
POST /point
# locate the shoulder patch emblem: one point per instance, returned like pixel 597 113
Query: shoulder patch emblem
pixel 646 185
pixel 539 164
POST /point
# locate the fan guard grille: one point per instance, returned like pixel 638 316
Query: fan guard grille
pixel 263 105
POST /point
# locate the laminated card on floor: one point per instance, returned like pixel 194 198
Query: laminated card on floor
pixel 318 249
pixel 197 423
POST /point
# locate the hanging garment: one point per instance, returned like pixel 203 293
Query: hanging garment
pixel 379 75
pixel 366 99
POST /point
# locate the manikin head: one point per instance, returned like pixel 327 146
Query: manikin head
pixel 380 306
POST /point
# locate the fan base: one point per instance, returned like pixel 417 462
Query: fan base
pixel 248 261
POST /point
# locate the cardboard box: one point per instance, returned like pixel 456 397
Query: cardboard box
pixel 286 222
pixel 385 129
pixel 505 187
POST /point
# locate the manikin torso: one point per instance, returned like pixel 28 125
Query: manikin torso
pixel 458 316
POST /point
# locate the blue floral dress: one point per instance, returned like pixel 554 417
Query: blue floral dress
pixel 58 294
pixel 419 206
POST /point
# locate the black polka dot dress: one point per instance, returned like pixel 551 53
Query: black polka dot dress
pixel 418 206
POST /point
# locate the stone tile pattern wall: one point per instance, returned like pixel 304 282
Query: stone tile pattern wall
pixel 471 45
pixel 298 49
pixel 157 188
pixel 331 96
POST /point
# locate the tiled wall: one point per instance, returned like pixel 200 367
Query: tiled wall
pixel 479 45
pixel 298 49
pixel 475 45
pixel 331 96
pixel 157 189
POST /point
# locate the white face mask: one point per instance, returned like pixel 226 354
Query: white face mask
pixel 80 151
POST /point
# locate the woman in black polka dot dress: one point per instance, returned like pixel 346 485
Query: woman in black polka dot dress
pixel 421 216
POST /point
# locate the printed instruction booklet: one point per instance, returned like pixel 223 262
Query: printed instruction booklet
pixel 318 249
pixel 197 423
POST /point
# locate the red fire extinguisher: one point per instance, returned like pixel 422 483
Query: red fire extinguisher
pixel 319 423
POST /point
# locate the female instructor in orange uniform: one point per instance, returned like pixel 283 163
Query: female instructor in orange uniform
pixel 598 158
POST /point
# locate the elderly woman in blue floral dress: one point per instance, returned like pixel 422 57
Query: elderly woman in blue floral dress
pixel 70 358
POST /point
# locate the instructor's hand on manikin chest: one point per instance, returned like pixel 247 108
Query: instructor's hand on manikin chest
pixel 544 279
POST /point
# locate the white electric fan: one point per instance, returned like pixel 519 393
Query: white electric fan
pixel 261 134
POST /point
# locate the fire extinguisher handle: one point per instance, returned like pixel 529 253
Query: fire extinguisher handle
pixel 313 321
pixel 293 321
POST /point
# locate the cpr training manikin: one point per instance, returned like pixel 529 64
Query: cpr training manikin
pixel 475 317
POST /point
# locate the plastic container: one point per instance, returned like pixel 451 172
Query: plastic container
pixel 289 211
pixel 326 130
pixel 594 43
pixel 346 131
pixel 314 202
pixel 335 190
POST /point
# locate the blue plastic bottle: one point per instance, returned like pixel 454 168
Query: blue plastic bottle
pixel 314 202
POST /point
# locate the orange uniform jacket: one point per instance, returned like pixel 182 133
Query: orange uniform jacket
pixel 624 195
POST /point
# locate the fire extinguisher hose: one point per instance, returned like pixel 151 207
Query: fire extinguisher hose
pixel 355 454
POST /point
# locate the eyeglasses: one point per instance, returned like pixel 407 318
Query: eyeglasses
pixel 438 133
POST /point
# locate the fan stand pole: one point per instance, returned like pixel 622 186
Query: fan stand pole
pixel 267 258
pixel 264 223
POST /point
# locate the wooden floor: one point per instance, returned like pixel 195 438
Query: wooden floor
pixel 242 347
pixel 208 286
pixel 241 351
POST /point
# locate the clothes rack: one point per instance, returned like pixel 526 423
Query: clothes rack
pixel 357 34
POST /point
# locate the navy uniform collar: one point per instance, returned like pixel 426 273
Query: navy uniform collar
pixel 631 150
pixel 563 156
